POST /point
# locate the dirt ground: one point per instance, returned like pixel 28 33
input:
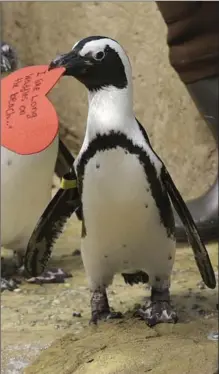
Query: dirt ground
pixel 35 317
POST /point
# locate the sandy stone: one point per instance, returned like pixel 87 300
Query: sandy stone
pixel 129 348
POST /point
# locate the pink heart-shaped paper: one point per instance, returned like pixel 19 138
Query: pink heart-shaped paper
pixel 29 122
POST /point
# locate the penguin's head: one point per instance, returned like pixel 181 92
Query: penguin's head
pixel 8 58
pixel 97 62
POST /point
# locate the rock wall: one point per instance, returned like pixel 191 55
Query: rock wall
pixel 40 30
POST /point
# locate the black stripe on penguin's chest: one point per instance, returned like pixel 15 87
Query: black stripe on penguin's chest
pixel 113 140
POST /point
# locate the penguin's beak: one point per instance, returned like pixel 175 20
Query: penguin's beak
pixel 71 61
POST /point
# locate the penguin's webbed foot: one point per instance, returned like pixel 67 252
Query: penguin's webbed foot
pixel 9 284
pixel 100 309
pixel 8 270
pixel 105 316
pixel 158 310
pixel 50 276
pixel 53 275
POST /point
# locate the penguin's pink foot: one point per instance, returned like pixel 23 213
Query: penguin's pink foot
pixel 100 309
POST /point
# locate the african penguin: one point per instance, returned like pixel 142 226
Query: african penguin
pixel 127 219
pixel 26 187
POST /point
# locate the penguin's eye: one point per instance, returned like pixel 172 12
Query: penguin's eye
pixel 99 56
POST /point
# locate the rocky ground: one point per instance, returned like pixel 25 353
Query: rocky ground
pixel 37 317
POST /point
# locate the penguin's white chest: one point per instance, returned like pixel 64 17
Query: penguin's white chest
pixel 26 182
pixel 123 228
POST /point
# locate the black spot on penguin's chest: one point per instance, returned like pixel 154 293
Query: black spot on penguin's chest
pixel 112 140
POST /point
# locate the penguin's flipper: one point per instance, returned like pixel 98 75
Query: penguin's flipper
pixel 50 225
pixel 65 160
pixel 200 253
pixel 64 164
